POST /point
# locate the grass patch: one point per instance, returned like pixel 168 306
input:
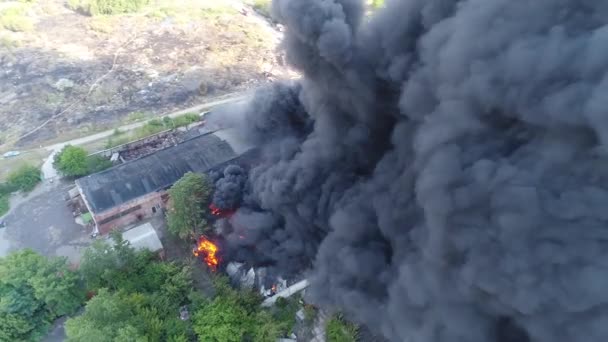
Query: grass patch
pixel 14 18
pixel 107 7
pixel 25 178
pixel 263 7
pixel 4 204
pixel 102 24
pixel 9 43
pixel 134 117
pixel 338 329
pixel 152 127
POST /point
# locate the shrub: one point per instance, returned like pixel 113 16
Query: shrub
pixel 25 178
pixel 14 19
pixel 263 7
pixel 97 164
pixel 106 7
pixel 185 120
pixel 338 329
pixel 72 161
pixel 4 204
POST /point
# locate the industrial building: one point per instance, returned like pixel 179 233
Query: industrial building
pixel 133 191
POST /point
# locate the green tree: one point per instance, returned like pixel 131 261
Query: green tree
pixel 105 265
pixel 189 198
pixel 338 329
pixel 225 319
pixel 25 178
pixel 35 290
pixel 97 164
pixel 106 317
pixel 72 161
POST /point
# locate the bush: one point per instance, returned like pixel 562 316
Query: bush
pixel 97 164
pixel 185 120
pixel 25 178
pixel 73 161
pixel 14 19
pixel 4 204
pixel 107 7
pixel 263 7
pixel 338 329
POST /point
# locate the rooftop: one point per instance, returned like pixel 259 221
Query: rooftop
pixel 158 171
pixel 143 237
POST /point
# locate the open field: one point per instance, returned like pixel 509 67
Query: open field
pixel 70 75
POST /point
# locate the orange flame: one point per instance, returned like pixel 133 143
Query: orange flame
pixel 215 211
pixel 209 250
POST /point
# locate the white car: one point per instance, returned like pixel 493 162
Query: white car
pixel 11 154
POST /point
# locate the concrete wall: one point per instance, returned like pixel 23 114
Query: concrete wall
pixel 128 213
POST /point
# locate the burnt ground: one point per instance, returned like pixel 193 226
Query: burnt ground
pixel 92 72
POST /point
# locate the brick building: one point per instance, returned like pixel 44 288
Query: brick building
pixel 136 190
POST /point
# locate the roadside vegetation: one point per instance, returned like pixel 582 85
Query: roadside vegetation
pixel 152 127
pixel 106 7
pixel 14 17
pixel 73 161
pixel 263 7
pixel 190 197
pixel 23 179
pixel 337 329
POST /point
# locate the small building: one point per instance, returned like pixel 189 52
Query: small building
pixel 136 190
pixel 144 237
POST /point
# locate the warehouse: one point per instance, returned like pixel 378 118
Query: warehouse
pixel 136 190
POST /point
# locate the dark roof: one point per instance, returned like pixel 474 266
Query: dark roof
pixel 157 171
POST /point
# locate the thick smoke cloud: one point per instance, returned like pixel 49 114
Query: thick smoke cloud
pixel 441 168
pixel 228 190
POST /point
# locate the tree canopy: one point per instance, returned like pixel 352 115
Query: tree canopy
pixel 138 297
pixel 35 290
pixel 73 161
pixel 189 198
pixel 24 178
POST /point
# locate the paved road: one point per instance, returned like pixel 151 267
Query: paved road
pixel 49 171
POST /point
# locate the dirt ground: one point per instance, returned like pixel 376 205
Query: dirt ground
pixel 88 73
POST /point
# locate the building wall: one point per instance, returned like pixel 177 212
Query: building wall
pixel 130 212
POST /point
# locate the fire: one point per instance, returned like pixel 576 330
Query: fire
pixel 209 250
pixel 215 211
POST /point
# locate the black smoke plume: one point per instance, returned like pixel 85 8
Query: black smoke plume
pixel 441 168
pixel 228 190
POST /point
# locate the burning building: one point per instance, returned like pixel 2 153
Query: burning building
pixel 130 192
pixel 440 168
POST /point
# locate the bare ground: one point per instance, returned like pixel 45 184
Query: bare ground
pixel 75 74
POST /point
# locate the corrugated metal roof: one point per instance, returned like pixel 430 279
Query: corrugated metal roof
pixel 157 171
pixel 143 237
